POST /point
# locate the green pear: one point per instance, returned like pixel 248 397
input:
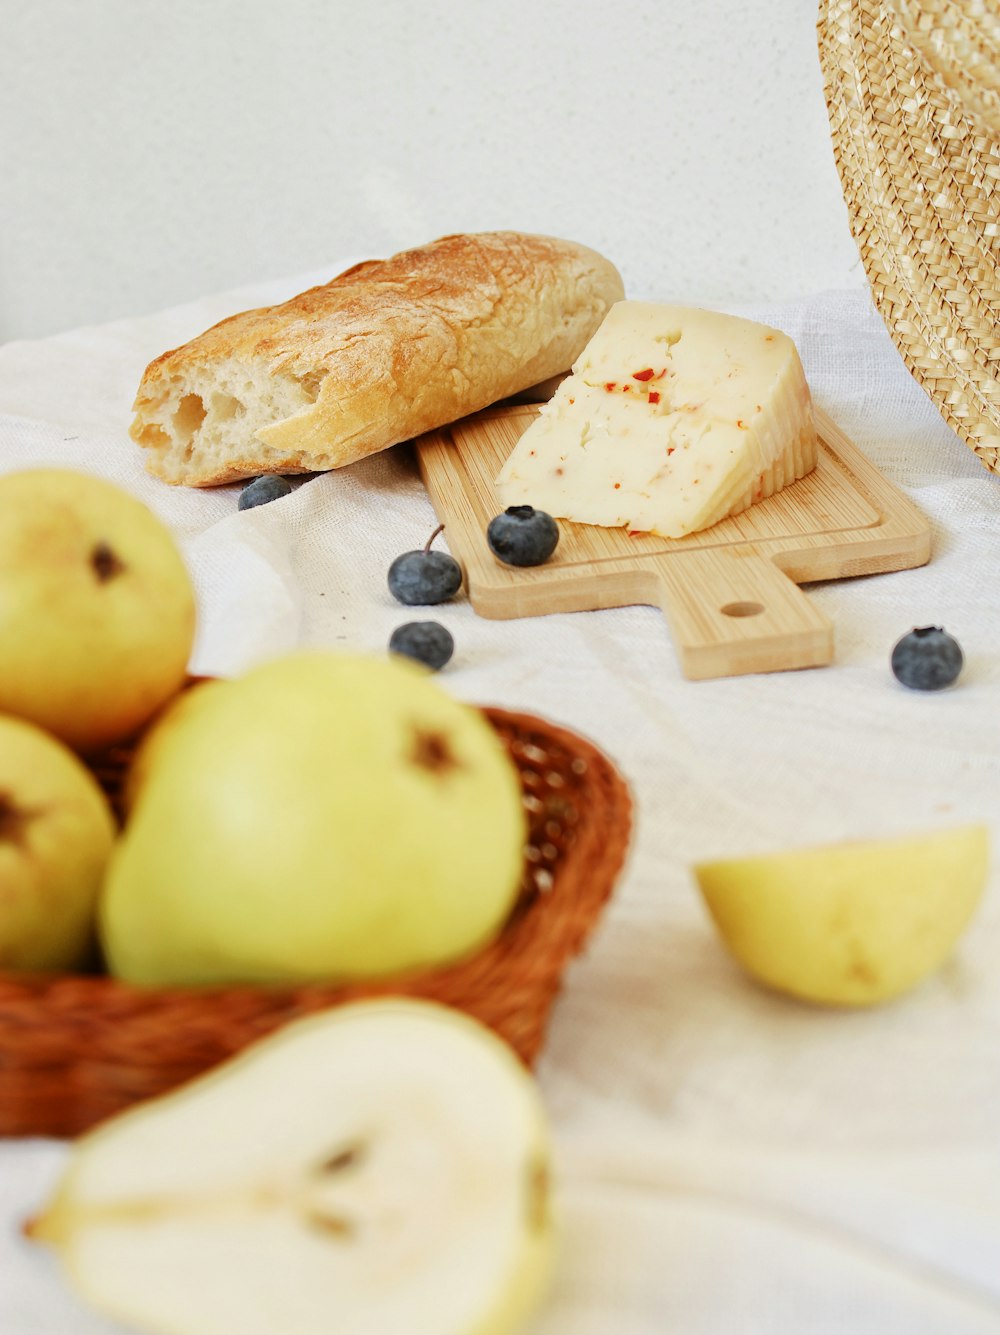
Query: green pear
pixel 56 834
pixel 156 738
pixel 97 610
pixel 379 1168
pixel 322 817
pixel 851 924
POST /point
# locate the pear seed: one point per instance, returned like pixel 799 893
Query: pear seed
pixel 332 1224
pixel 345 1158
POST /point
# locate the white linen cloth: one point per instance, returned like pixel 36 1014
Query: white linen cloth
pixel 728 1162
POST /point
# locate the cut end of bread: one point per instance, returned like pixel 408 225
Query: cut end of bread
pixel 201 429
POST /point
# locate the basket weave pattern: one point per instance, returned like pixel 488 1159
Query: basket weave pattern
pixel 913 93
pixel 75 1049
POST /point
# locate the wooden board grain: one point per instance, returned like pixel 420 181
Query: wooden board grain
pixel 729 593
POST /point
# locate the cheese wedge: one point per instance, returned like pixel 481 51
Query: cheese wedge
pixel 672 419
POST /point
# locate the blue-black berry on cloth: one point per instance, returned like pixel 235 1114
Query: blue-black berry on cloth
pixel 522 536
pixel 268 487
pixel 927 659
pixel 426 641
pixel 422 578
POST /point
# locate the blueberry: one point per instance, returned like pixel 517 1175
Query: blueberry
pixel 419 579
pixel 426 641
pixel 522 536
pixel 262 489
pixel 927 659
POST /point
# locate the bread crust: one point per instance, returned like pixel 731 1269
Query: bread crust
pixel 387 350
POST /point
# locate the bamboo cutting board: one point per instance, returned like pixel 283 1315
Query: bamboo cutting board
pixel 730 593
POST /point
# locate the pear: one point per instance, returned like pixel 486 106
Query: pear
pixel 380 1169
pixel 56 835
pixel 324 816
pixel 153 742
pixel 851 924
pixel 97 610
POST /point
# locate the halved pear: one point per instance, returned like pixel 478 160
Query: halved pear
pixel 380 1169
pixel 852 924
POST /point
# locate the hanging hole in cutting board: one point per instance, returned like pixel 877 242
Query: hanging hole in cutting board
pixel 742 609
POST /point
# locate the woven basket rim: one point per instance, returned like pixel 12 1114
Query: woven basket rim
pixel 53 1081
pixel 913 96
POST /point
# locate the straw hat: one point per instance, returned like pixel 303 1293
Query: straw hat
pixel 913 92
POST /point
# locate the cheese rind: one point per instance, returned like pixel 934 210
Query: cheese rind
pixel 673 419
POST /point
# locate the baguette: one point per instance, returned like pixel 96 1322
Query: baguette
pixel 385 351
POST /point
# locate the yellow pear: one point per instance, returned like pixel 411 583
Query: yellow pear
pixel 56 833
pixel 97 611
pixel 322 817
pixel 851 924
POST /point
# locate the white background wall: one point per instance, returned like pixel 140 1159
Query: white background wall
pixel 153 151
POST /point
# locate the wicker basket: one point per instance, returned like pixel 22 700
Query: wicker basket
pixel 913 93
pixel 75 1049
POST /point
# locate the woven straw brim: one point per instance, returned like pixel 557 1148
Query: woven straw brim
pixel 913 93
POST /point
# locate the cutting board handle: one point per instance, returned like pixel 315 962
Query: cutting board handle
pixel 733 611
